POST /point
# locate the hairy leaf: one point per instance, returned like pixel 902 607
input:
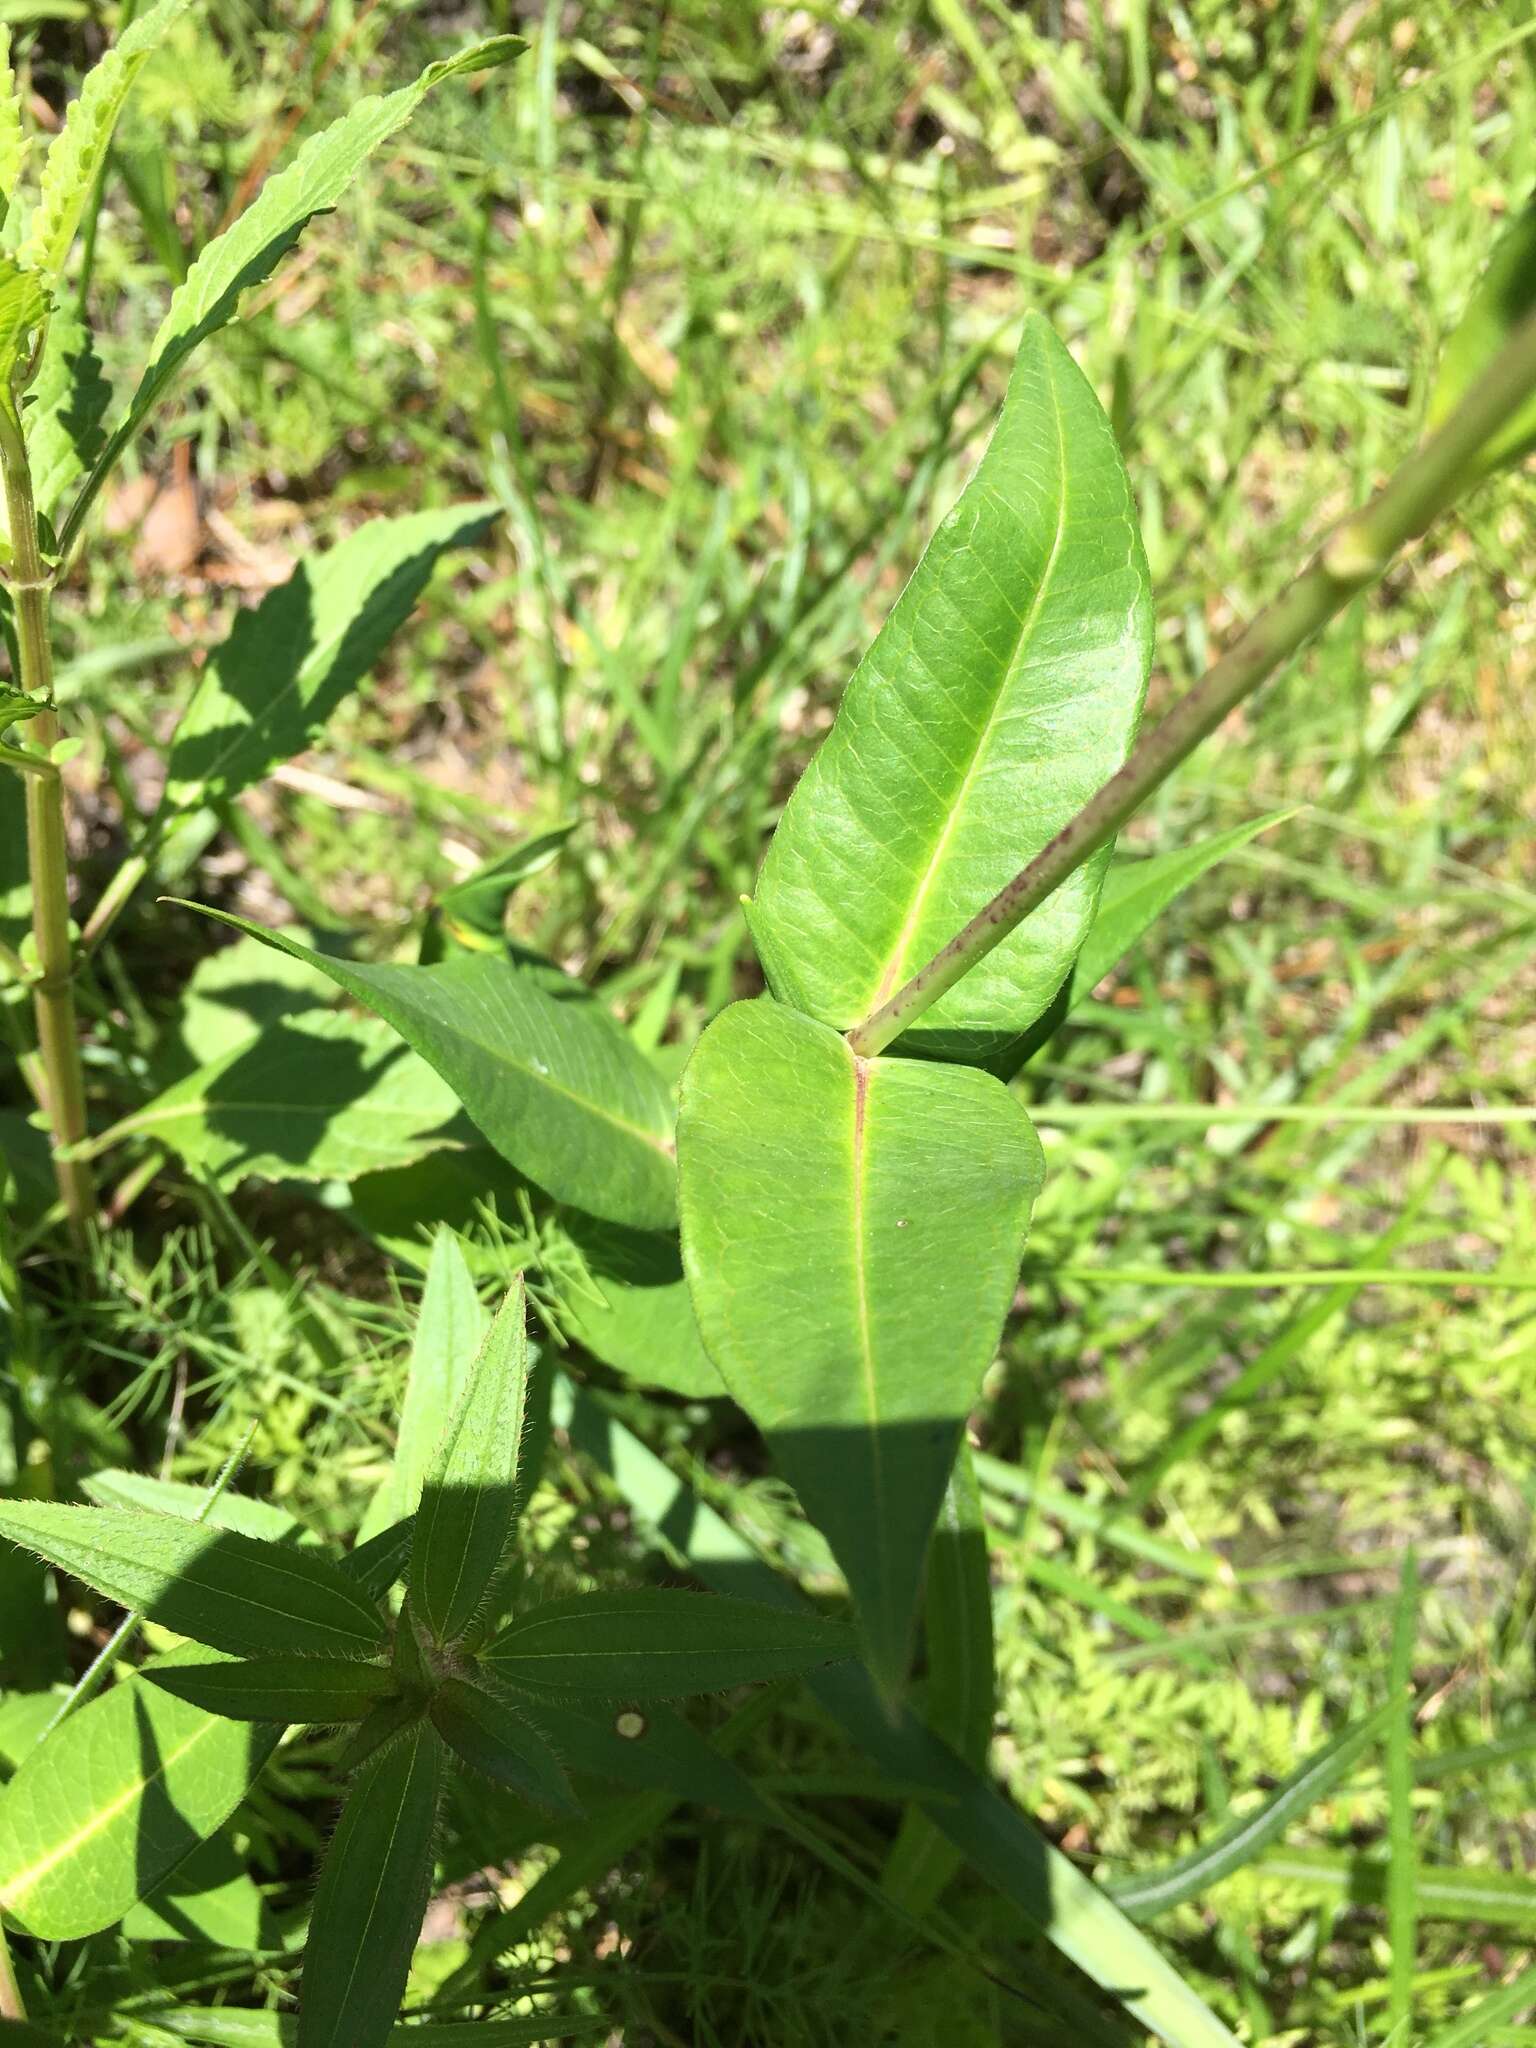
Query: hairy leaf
pixel 289 661
pixel 64 410
pixel 492 1738
pixel 1505 296
pixel 852 1233
pixel 119 1795
pixel 372 1895
pixel 450 1328
pixel 214 1585
pixel 283 1689
pixel 658 1644
pixel 79 150
pixel 546 1074
pixel 248 252
pixel 228 2026
pixel 469 1491
pixel 327 1096
pixel 259 1518
pixel 1002 691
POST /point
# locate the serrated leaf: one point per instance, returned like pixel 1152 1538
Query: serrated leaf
pixel 489 1736
pixel 1505 295
pixel 852 1233
pixel 214 1585
pixel 13 135
pixel 327 1096
pixel 469 1491
pixel 372 1896
pixel 658 1644
pixel 1002 691
pixel 115 1799
pixel 547 1075
pixel 290 660
pixel 64 410
pixel 78 152
pixel 248 252
pixel 450 1328
pixel 281 1689
pixel 23 307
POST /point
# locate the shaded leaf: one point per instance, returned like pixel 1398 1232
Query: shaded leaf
pixel 328 1096
pixel 643 1325
pixel 288 662
pixel 64 410
pixel 210 1897
pixel 473 912
pixel 234 994
pixel 852 1233
pixel 489 1736
pixel 214 1585
pixel 1002 691
pixel 259 1518
pixel 469 1490
pixel 226 2026
pixel 654 1751
pixel 372 1895
pixel 116 1798
pixel 450 1328
pixel 1505 296
pixel 658 1644
pixel 250 250
pixel 23 306
pixel 282 1689
pixel 551 1080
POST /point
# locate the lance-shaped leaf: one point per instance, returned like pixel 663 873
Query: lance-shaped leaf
pixel 289 661
pixel 1003 689
pixel 120 1793
pixel 553 1082
pixel 327 1096
pixel 654 1751
pixel 851 1233
pixel 372 1895
pixel 64 410
pixel 113 1488
pixel 485 1733
pixel 79 150
pixel 450 1328
pixel 229 2026
pixel 248 252
pixel 658 1644
pixel 469 1492
pixel 13 134
pixel 1505 295
pixel 214 1585
pixel 283 1689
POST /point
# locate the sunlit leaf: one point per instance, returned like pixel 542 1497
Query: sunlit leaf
pixel 1505 296
pixel 64 410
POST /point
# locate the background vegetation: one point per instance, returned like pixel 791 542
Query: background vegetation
pixel 718 302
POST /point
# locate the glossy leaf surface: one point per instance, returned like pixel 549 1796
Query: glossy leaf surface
pixel 551 1080
pixel 119 1794
pixel 485 1733
pixel 852 1233
pixel 282 1689
pixel 372 1895
pixel 214 1585
pixel 289 661
pixel 468 1499
pixel 658 1644
pixel 1002 691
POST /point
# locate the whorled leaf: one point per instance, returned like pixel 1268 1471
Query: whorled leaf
pixel 493 1739
pixel 1002 691
pixel 281 1689
pixel 852 1233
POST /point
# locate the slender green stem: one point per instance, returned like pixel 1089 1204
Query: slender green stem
pixel 1354 556
pixel 47 848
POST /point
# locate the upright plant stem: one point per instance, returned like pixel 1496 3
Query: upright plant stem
pixel 47 851
pixel 1353 557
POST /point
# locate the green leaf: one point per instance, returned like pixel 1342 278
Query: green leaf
pixel 643 1325
pixel 657 1751
pixel 13 134
pixel 214 1585
pixel 116 1798
pixel 1504 296
pixel 658 1644
pixel 227 2026
pixel 16 706
pixel 289 661
pixel 1151 1892
pixel 282 1689
pixel 327 1096
pixel 450 1328
pixel 233 995
pixel 115 1489
pixel 852 1233
pixel 78 152
pixel 1002 691
pixel 247 253
pixel 23 307
pixel 210 1897
pixel 473 912
pixel 1135 895
pixel 485 1733
pixel 1485 1896
pixel 547 1075
pixel 469 1491
pixel 372 1895
pixel 64 410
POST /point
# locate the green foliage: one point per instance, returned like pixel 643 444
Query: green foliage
pixel 283 1689
pixel 493 1739
pixel 1504 298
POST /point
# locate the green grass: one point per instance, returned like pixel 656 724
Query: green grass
pixel 718 303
